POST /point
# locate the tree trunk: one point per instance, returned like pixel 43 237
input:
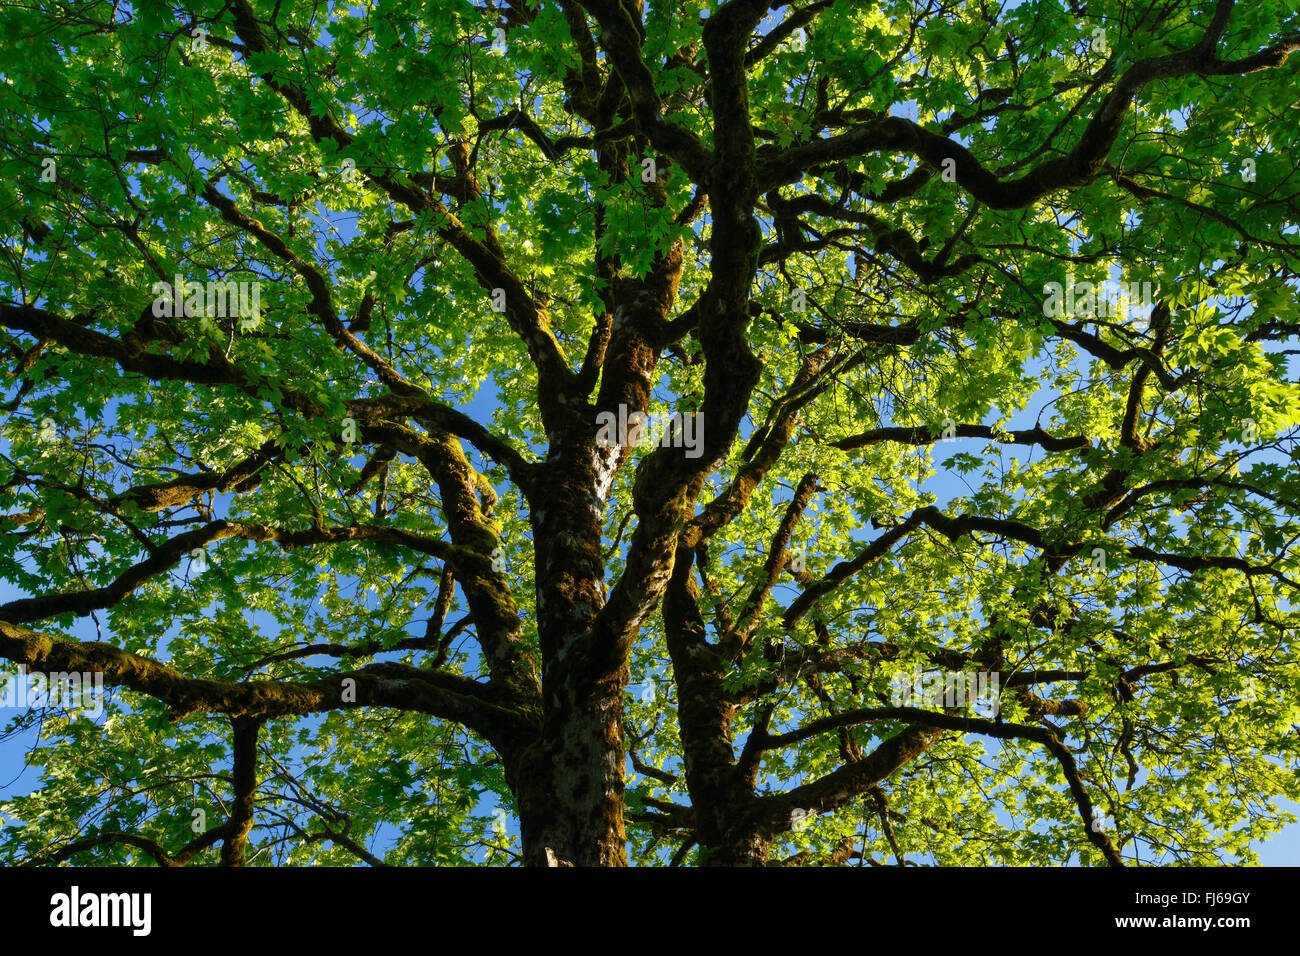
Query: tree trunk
pixel 569 783
pixel 569 786
pixel 723 803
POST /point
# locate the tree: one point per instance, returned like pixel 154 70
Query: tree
pixel 441 405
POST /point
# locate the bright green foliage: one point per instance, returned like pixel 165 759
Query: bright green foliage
pixel 1167 665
